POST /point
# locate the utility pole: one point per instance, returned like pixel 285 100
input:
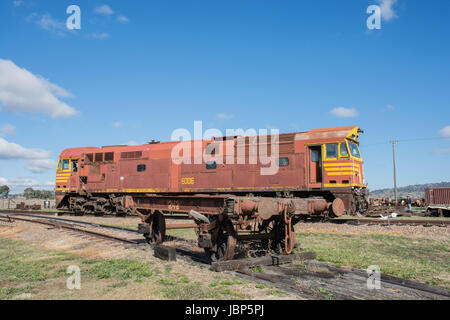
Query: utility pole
pixel 394 142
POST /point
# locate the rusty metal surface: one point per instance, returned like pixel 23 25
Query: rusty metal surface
pixel 114 169
pixel 437 196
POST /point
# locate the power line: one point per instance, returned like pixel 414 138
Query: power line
pixel 403 140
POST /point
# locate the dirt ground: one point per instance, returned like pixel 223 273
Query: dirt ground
pixel 174 280
pixel 433 232
pixel 169 280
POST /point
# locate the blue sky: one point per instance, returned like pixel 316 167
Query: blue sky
pixel 137 70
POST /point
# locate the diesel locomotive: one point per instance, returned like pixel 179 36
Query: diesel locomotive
pixel 319 173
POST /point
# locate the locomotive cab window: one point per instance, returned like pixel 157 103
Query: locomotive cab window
pixel 315 156
pixel 74 165
pixel 331 150
pixel 141 168
pixel 354 150
pixel 65 165
pixel 343 150
pixel 59 165
pixel 211 165
pixel 283 162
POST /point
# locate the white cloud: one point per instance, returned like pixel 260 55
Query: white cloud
pixel 342 112
pixel 387 10
pixel 224 116
pixel 38 160
pixel 17 3
pixel 440 151
pixel 48 23
pixel 11 150
pixel 22 91
pixel 123 19
pixel 7 130
pixel 104 10
pixel 445 132
pixel 40 165
pixel 100 36
pixel 116 124
pixel 389 107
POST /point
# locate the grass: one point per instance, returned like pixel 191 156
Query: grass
pixel 186 233
pixel 259 269
pixel 27 271
pixel 411 258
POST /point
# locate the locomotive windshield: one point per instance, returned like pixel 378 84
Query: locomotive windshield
pixel 354 149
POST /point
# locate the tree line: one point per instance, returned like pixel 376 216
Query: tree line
pixel 29 193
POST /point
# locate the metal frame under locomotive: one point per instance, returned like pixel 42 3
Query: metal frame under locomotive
pixel 229 216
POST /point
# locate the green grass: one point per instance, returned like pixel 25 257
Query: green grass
pixel 122 269
pixel 259 269
pixel 411 258
pixel 25 270
pixel 186 233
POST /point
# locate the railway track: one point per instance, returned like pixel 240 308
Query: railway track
pixel 357 221
pixel 417 222
pixel 71 225
pixel 305 279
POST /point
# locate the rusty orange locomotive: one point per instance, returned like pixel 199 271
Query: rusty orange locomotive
pixel 319 174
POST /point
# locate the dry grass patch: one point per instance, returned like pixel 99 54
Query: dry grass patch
pixel 411 258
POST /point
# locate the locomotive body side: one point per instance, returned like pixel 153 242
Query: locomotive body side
pixel 320 162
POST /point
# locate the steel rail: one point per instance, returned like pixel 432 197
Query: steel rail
pixel 393 221
pixel 69 227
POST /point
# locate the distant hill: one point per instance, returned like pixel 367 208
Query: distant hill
pixel 416 191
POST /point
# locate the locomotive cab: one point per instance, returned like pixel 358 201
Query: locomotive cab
pixel 342 163
pixel 67 174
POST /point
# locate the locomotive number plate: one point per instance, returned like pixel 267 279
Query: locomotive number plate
pixel 173 205
pixel 187 181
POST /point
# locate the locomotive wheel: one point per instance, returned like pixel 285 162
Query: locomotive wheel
pixel 88 209
pixel 225 249
pixel 278 243
pixel 158 229
pixel 226 245
pixel 109 210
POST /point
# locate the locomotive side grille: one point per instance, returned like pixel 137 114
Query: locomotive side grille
pixel 99 157
pixel 285 145
pixel 131 155
pixel 90 157
pixel 109 156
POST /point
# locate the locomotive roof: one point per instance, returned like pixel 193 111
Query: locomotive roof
pixel 351 132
